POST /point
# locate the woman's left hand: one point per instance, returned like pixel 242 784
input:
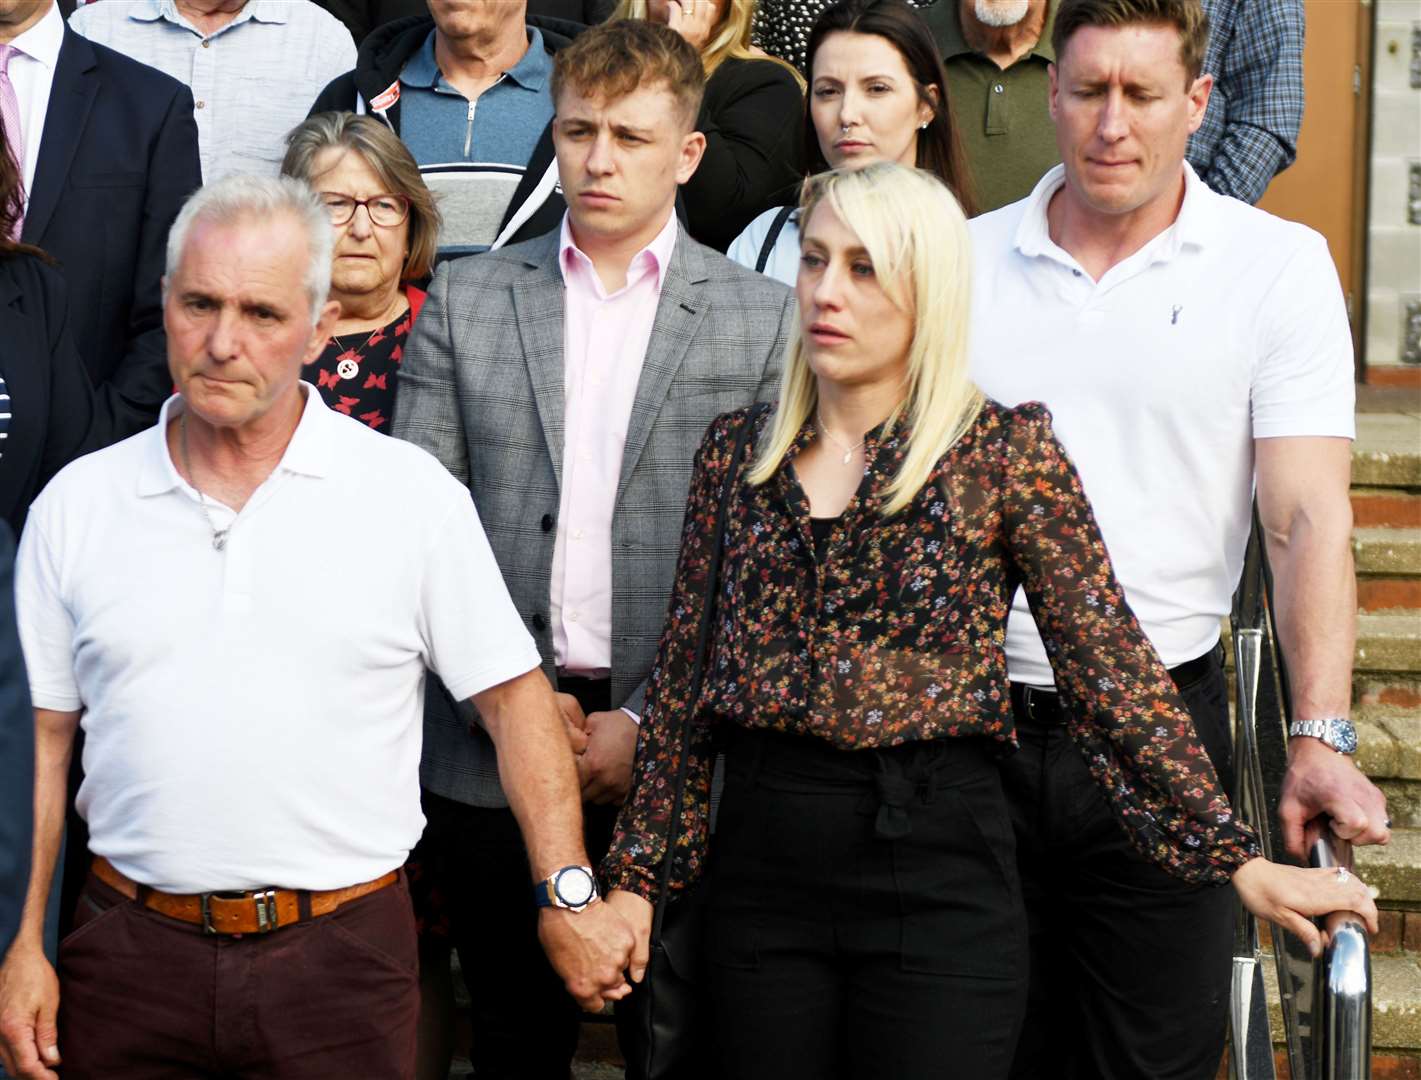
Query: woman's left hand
pixel 693 20
pixel 1288 895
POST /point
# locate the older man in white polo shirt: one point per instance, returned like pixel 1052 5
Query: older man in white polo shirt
pixel 253 719
pixel 1186 344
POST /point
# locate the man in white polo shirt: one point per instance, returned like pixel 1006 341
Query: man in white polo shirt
pixel 1186 344
pixel 239 605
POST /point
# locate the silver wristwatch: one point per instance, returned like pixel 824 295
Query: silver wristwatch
pixel 1334 731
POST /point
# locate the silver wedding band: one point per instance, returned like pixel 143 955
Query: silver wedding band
pixel 1342 876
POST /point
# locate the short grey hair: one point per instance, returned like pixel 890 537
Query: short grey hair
pixel 259 198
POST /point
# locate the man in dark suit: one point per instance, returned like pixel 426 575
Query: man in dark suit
pixel 106 171
pixel 17 755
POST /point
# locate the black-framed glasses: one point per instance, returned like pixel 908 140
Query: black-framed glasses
pixel 386 210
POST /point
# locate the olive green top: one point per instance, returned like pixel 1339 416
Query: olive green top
pixel 1002 116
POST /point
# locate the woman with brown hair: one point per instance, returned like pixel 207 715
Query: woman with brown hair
pixel 752 157
pixel 46 403
pixel 877 92
pixel 387 227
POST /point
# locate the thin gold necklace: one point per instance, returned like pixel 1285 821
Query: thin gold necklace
pixel 848 450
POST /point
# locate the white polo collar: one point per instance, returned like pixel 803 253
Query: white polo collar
pixel 309 452
pixel 1194 226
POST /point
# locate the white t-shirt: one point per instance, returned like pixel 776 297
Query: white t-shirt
pixel 254 716
pixel 783 264
pixel 1228 327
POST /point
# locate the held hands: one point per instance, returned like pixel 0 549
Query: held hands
pixel 590 950
pixel 29 1005
pixel 605 768
pixel 1321 781
pixel 1288 895
pixel 637 912
pixel 694 20
pixel 575 722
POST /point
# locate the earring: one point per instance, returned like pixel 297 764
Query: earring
pixel 924 125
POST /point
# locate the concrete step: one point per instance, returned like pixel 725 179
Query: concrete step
pixel 1394 870
pixel 1387 452
pixel 1388 561
pixel 1387 550
pixel 1389 642
pixel 1396 1004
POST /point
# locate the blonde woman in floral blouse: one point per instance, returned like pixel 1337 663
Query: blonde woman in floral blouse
pixel 865 916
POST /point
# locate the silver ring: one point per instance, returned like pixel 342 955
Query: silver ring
pixel 1342 876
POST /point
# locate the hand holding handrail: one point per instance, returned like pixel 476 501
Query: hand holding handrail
pixel 1342 1010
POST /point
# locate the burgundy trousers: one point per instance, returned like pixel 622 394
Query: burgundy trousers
pixel 145 997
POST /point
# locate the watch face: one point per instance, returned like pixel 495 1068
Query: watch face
pixel 574 886
pixel 1343 736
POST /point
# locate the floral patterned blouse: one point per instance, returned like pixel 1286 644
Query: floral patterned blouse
pixel 897 635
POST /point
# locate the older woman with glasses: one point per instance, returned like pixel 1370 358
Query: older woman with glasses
pixel 386 228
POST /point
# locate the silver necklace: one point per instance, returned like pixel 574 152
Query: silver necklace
pixel 219 536
pixel 848 450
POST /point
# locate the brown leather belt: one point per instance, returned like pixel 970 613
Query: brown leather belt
pixel 238 912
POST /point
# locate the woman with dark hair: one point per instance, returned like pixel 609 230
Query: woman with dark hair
pixel 387 229
pixel 877 92
pixel 46 403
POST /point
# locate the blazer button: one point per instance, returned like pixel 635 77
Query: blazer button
pixel 547 523
pixel 539 623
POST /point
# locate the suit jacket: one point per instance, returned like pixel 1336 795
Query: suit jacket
pixel 17 756
pixel 51 404
pixel 481 388
pixel 117 158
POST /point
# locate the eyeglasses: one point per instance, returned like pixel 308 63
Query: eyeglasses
pixel 386 210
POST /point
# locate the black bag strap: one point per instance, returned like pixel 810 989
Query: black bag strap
pixel 727 493
pixel 776 227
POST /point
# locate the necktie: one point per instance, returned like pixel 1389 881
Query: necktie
pixel 10 121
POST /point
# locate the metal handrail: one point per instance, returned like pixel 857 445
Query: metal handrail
pixel 1342 1010
pixel 1326 1004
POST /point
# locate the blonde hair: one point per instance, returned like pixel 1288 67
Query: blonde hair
pixel 729 40
pixel 916 237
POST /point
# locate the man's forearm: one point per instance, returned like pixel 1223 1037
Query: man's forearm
pixel 536 767
pixel 54 743
pixel 1315 603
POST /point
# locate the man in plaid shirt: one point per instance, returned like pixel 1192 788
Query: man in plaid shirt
pixel 1250 133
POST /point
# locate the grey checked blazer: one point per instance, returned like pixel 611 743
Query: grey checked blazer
pixel 481 388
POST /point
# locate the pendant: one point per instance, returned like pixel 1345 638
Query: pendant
pixel 348 369
pixel 219 540
pixel 848 456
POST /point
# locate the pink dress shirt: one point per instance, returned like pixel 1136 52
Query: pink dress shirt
pixel 604 342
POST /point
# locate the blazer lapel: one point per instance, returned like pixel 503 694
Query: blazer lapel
pixel 678 314
pixel 538 300
pixel 71 95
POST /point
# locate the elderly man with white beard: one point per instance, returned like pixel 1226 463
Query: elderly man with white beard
pixel 996 53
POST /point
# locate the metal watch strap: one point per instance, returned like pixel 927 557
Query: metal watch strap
pixel 1321 729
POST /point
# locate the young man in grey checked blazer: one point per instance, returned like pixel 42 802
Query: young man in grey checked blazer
pixel 568 381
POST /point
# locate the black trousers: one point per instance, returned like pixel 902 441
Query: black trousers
pixel 865 919
pixel 1130 966
pixel 525 1025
